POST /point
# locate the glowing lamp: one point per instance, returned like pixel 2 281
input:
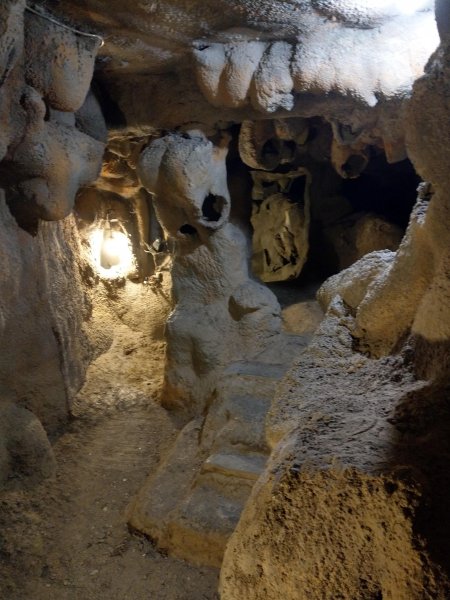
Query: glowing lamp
pixel 111 252
pixel 112 248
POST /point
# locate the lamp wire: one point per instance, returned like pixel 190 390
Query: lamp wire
pixel 52 20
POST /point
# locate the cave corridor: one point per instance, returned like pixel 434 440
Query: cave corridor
pixel 224 302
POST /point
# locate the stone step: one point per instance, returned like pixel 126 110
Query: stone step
pixel 193 504
pixel 164 492
pixel 284 350
pixel 255 369
pixel 237 422
pixel 203 523
pixel 200 529
pixel 236 465
pixel 236 418
pixel 258 380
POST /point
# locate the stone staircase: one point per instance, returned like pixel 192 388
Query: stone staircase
pixel 234 434
pixel 193 503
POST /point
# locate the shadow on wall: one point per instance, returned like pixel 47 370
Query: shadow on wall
pixel 420 451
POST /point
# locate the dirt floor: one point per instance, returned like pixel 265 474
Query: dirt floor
pixel 67 539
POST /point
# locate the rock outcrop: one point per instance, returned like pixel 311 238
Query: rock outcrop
pixel 220 313
pixel 352 503
pixel 47 153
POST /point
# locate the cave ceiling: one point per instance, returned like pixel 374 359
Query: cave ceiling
pixel 170 62
pixel 154 36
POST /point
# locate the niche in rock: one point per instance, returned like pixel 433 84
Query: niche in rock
pixel 366 213
pixel 320 197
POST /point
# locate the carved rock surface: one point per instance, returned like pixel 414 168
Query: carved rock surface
pixel 11 78
pixel 188 177
pixel 272 84
pixel 269 144
pixel 373 54
pixel 349 161
pixel 219 314
pixel 56 160
pixel 43 308
pixel 355 497
pixel 47 72
pixel 356 33
pixel 352 283
pixel 89 119
pixel 280 220
pixel 336 513
pixel 225 72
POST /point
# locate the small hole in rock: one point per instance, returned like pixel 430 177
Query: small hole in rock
pixel 23 101
pixel 187 229
pixel 212 207
pixel 270 149
pixel 355 165
pixel 47 111
pixel 290 149
pixel 390 487
pixel 297 190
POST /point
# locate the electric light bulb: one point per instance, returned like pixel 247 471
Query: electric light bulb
pixel 111 252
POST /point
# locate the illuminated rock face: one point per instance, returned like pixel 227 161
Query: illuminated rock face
pixel 220 313
pixel 47 73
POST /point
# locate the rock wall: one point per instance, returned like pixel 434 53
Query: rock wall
pixel 353 502
pixel 416 287
pixel 51 143
pixel 357 456
pixel 43 309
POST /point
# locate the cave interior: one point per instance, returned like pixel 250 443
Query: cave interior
pixel 225 293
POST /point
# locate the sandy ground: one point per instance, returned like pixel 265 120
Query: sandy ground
pixel 67 539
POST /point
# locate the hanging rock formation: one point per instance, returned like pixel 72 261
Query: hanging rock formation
pixel 46 157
